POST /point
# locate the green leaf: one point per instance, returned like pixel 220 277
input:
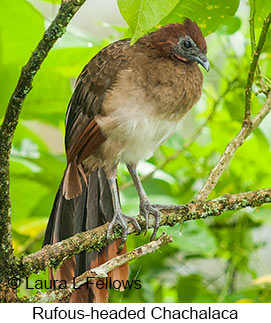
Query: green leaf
pixel 232 24
pixel 142 15
pixel 209 14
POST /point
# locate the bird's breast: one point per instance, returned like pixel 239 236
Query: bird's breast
pixel 136 124
pixel 139 114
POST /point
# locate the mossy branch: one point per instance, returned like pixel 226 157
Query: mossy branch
pixel 56 30
pixel 102 270
pixel 54 255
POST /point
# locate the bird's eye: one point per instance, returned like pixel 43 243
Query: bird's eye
pixel 187 44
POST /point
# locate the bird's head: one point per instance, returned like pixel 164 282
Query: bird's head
pixel 183 42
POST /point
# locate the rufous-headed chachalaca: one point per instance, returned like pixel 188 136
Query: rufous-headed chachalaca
pixel 127 101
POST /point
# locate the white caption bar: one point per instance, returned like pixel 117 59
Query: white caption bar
pixel 136 312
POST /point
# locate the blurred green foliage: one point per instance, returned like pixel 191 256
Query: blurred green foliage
pixel 209 261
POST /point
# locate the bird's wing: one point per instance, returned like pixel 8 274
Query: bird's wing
pixel 83 135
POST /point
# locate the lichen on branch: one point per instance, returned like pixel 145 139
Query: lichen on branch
pixel 54 255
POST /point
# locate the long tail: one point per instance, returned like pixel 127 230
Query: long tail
pixel 87 211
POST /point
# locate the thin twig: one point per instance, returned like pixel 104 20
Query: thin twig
pixel 252 26
pixel 53 255
pixel 253 66
pixel 228 153
pixel 248 125
pixel 102 270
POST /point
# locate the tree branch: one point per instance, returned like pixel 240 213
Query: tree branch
pixel 53 255
pixel 102 270
pixel 57 28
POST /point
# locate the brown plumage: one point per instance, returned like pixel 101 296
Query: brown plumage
pixel 127 101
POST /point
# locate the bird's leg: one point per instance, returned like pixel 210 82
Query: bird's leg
pixel 119 217
pixel 145 207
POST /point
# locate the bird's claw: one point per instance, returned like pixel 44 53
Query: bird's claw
pixel 122 220
pixel 146 209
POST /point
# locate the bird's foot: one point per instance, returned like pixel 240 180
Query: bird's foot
pixel 122 220
pixel 146 209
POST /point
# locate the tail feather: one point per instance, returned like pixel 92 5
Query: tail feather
pixel 122 272
pixel 72 186
pixel 92 208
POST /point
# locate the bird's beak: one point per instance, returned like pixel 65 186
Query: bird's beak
pixel 202 60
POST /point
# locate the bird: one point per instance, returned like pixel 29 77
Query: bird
pixel 127 101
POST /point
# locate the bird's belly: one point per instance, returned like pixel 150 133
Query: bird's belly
pixel 136 125
pixel 142 136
